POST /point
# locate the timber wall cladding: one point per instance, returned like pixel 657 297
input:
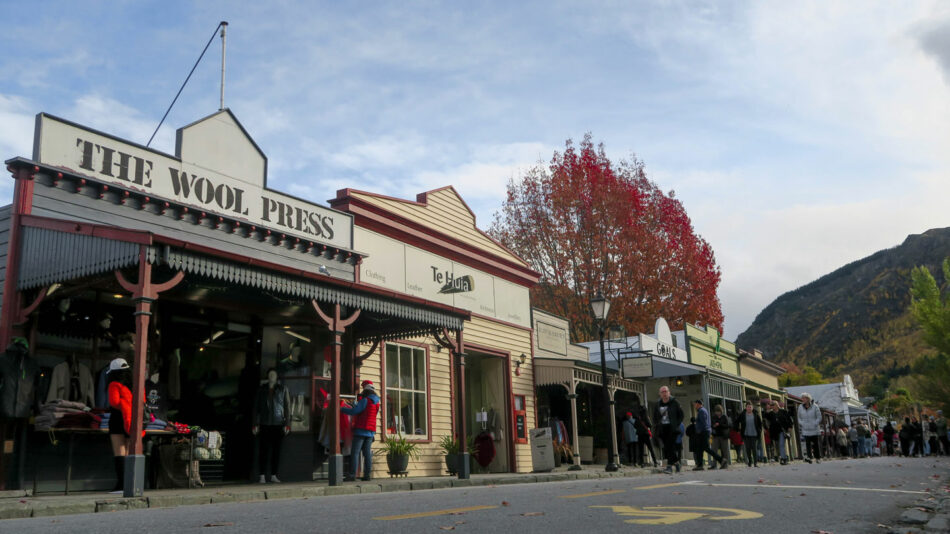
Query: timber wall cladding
pixel 445 213
pixel 505 338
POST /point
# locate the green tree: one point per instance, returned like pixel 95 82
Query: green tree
pixel 931 306
pixel 898 405
pixel 805 376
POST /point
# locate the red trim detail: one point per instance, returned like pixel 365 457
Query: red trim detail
pixel 396 226
pixel 506 355
pixel 383 404
pixel 22 207
pixel 149 238
pixel 422 199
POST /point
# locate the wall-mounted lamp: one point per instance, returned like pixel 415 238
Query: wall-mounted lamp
pixel 679 381
pixel 518 363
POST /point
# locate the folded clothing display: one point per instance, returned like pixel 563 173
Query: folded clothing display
pixel 76 414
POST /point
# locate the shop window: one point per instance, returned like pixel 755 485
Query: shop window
pixel 407 398
pixel 521 420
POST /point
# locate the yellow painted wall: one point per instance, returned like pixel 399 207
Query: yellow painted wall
pixel 756 375
pixel 446 213
pixel 482 332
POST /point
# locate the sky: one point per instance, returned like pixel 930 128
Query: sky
pixel 799 136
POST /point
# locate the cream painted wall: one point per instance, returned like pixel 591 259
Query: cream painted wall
pixel 485 333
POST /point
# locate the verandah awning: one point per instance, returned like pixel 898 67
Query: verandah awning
pixel 50 256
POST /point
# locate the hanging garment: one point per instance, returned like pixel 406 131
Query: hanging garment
pixel 485 449
pixel 61 384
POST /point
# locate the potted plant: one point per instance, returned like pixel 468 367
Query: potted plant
pixel 398 451
pixel 450 446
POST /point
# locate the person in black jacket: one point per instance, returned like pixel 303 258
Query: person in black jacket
pixel 644 435
pixel 750 426
pixel 889 438
pixel 720 436
pixel 668 416
pixel 271 419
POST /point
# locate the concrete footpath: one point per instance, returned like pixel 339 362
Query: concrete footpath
pixel 22 504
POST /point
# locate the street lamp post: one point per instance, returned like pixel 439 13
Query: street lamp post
pixel 601 306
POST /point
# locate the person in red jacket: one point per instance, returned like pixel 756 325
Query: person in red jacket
pixel 364 430
pixel 119 378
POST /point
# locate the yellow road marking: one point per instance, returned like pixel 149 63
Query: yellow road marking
pixel 737 514
pixel 593 494
pixel 652 517
pixel 434 513
pixel 656 486
pixel 668 515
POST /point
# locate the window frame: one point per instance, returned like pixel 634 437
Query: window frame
pixel 384 402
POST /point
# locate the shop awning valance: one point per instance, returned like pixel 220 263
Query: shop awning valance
pixel 51 256
pixel 552 371
pixel 665 368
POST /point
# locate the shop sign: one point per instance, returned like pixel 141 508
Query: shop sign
pixel 115 161
pixel 551 338
pixel 453 284
pixel 661 343
pixel 397 266
pixel 638 367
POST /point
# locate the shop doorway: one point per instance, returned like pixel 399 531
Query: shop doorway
pixel 487 411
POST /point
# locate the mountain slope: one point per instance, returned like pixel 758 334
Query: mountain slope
pixel 856 319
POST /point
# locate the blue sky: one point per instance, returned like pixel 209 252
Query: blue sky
pixel 799 135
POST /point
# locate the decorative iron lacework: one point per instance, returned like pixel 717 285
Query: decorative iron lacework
pixel 50 256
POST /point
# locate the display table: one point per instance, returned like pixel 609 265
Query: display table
pixel 71 435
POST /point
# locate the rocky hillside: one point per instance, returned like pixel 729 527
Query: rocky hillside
pixel 854 320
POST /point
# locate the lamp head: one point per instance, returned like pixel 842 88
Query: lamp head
pixel 600 306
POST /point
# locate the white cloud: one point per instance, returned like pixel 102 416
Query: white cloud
pixel 17 116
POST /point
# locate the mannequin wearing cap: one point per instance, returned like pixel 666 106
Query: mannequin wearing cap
pixel 364 430
pixel 271 423
pixel 120 414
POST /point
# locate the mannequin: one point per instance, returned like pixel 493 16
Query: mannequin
pixel 291 364
pixel 19 375
pixel 120 416
pixel 107 341
pixel 271 424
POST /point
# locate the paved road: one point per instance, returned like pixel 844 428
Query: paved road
pixel 850 496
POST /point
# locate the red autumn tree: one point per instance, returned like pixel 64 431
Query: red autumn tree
pixel 588 225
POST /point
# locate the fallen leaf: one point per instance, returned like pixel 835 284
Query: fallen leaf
pixel 447 528
pixel 529 514
pixel 458 513
pixel 677 493
pixel 218 524
pixel 460 522
pixel 820 532
pixel 761 480
pixel 802 495
pixel 881 525
pixel 505 503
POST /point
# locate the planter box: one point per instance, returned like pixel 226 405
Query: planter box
pixel 586 446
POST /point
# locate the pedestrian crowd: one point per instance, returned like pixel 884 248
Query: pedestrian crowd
pixel 765 437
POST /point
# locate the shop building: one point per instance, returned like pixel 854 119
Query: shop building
pixel 570 392
pixel 841 398
pixel 203 278
pixel 430 248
